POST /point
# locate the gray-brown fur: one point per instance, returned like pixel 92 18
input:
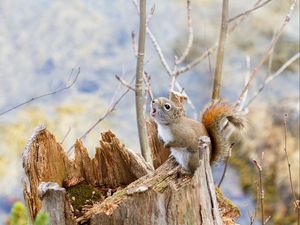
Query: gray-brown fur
pixel 218 122
pixel 186 131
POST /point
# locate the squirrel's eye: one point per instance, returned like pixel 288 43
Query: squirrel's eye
pixel 167 106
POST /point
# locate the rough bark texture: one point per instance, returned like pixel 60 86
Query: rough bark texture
pixel 118 187
pixel 53 201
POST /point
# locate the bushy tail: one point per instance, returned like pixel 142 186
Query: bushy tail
pixel 221 119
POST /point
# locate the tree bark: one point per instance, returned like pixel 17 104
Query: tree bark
pixel 118 187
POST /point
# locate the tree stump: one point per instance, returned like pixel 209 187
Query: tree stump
pixel 117 186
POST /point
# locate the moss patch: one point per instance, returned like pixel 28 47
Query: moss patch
pixel 81 195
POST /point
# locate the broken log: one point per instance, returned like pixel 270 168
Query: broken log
pixel 117 186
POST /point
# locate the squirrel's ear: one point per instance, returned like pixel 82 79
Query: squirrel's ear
pixel 177 98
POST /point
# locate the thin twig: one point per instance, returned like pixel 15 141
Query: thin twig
pixel 247 12
pixel 133 41
pixel 45 95
pixel 155 43
pixel 196 61
pixel 236 23
pixel 147 82
pixel 270 61
pixel 261 188
pixel 141 123
pixel 112 106
pixel 174 73
pixel 269 50
pixel 150 14
pixel 66 135
pixel 289 164
pixel 188 99
pixel 159 51
pixel 225 168
pixel 164 62
pixel 209 63
pixel 267 220
pixel 248 72
pixel 216 93
pixel 205 54
pixel 273 76
pixel 251 217
pixel 172 84
pixel 191 34
pixel 124 82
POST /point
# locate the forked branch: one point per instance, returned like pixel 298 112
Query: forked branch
pixel 268 52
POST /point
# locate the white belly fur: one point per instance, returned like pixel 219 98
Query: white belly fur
pixel 165 133
pixel 182 156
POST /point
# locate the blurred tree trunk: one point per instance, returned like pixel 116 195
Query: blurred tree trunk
pixel 117 186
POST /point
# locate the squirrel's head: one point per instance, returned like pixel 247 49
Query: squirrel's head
pixel 164 111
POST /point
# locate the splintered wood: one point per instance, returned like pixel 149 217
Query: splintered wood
pixel 44 160
pixel 117 186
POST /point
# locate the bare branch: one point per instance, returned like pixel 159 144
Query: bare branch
pixel 248 72
pixel 273 76
pixel 191 34
pixel 269 50
pixel 287 160
pixel 188 99
pixel 45 95
pixel 141 123
pixel 209 63
pixel 147 82
pixel 66 135
pixel 225 168
pixel 261 188
pixel 199 59
pixel 155 43
pixel 112 106
pixel 159 51
pixel 196 61
pixel 235 23
pixel 251 217
pixel 270 61
pixel 150 14
pixel 133 41
pixel 248 11
pixel 267 220
pixel 124 82
pixel 220 54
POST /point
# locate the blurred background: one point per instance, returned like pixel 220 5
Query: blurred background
pixel 41 41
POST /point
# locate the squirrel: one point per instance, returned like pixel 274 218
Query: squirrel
pixel 182 134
